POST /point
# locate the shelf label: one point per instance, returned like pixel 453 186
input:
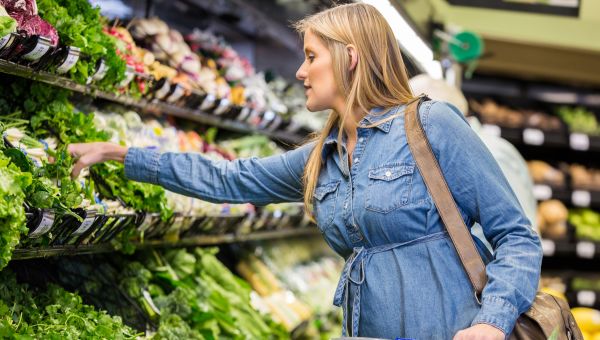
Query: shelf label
pixel 533 136
pixel 585 250
pixel 163 91
pixel 549 247
pixel 4 40
pixel 38 51
pixel 579 141
pixel 101 72
pixel 223 106
pixel 150 302
pixel 85 225
pixel 586 298
pixel 177 93
pixel 542 192
pixel 69 62
pixel 493 130
pixel 208 102
pixel 44 226
pixel 244 113
pixel 581 198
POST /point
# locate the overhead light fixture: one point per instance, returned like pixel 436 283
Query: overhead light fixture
pixel 409 40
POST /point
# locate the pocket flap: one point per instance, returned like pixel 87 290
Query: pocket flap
pixel 390 172
pixel 323 190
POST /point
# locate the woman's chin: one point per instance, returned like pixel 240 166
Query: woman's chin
pixel 312 107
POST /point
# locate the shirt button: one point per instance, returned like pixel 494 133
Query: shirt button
pixel 360 140
pixel 355 160
pixel 388 174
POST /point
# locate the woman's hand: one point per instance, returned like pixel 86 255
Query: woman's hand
pixel 88 154
pixel 480 332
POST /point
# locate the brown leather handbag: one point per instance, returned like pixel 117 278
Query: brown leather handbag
pixel 548 317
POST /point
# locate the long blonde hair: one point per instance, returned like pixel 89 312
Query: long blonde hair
pixel 379 79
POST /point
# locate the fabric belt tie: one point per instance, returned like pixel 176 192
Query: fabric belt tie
pixel 353 276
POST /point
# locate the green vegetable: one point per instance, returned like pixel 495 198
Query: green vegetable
pixel 7 24
pixel 54 313
pixel 12 214
pixel 579 120
pixel 81 25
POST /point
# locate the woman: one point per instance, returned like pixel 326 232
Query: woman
pixel 404 278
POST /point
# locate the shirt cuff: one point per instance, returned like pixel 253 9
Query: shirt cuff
pixel 497 312
pixel 142 165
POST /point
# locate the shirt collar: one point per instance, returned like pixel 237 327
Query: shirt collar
pixel 378 114
pixel 371 118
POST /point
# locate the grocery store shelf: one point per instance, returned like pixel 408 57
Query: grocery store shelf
pixel 514 90
pixel 586 250
pixel 204 240
pixel 574 198
pixel 539 138
pixel 11 68
pixel 584 298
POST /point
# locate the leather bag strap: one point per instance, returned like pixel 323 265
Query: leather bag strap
pixel 442 197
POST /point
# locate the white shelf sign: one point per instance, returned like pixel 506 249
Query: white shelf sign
pixel 586 298
pixel 549 247
pixel 579 141
pixel 585 250
pixel 581 198
pixel 542 192
pixel 533 136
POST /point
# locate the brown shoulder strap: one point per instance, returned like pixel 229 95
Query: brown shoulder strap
pixel 442 197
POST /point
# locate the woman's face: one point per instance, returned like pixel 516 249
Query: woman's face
pixel 316 72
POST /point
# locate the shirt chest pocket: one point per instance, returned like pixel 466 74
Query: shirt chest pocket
pixel 325 202
pixel 389 187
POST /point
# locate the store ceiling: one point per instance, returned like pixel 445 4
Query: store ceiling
pixel 526 45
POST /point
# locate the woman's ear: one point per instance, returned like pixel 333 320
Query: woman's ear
pixel 353 55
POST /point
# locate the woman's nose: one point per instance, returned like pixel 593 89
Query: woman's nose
pixel 301 73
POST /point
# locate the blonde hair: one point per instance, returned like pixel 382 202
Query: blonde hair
pixel 378 80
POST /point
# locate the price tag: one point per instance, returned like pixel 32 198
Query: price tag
pixel 533 136
pixel 581 198
pixel 163 91
pixel 493 130
pixel 44 226
pixel 542 192
pixel 586 298
pixel 85 225
pixel 579 141
pixel 179 91
pixel 208 102
pixel 4 40
pixel 68 63
pixel 150 302
pixel 223 106
pixel 585 250
pixel 102 69
pixel 244 113
pixel 549 247
pixel 38 51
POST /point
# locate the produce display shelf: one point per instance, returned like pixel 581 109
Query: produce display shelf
pixel 539 138
pixel 579 250
pixel 199 116
pixel 204 240
pixel 584 298
pixel 579 198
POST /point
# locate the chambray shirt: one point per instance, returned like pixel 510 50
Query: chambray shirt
pixel 402 277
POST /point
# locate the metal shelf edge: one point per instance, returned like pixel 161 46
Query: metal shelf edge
pixel 205 240
pixel 172 110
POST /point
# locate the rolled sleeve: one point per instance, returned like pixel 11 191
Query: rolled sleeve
pixel 497 312
pixel 142 165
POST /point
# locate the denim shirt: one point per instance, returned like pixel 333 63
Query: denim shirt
pixel 402 276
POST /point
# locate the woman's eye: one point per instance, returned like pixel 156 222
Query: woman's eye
pixel 311 58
